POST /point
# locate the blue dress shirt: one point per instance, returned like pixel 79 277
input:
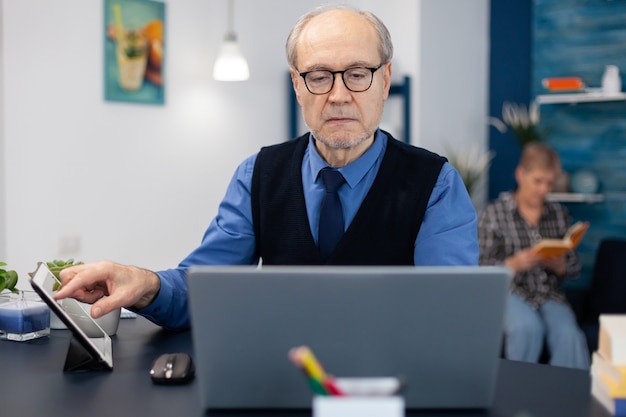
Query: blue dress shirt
pixel 448 235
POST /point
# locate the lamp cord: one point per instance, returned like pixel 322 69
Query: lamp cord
pixel 230 28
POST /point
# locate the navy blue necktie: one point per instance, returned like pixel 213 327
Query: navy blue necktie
pixel 331 214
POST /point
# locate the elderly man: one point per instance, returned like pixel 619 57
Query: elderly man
pixel 346 193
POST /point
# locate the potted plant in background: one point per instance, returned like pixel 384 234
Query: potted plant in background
pixel 521 119
pixel 471 166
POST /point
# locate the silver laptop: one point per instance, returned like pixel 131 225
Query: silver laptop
pixel 439 329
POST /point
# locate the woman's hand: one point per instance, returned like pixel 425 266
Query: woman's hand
pixel 557 265
pixel 523 260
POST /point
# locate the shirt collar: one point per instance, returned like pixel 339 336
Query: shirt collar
pixel 355 170
pixel 509 201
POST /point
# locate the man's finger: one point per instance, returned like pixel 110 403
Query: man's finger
pixel 103 306
pixel 75 282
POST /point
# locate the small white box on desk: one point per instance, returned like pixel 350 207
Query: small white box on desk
pixel 358 405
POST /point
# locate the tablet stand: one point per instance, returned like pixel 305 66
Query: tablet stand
pixel 79 359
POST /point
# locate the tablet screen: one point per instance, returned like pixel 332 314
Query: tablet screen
pixel 87 333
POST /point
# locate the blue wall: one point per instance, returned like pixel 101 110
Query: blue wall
pixel 509 80
pixel 579 38
pixel 533 39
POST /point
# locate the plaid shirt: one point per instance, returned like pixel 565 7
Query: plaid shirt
pixel 502 232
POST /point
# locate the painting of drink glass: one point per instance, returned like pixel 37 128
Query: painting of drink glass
pixel 134 51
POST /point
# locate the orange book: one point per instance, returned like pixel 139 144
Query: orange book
pixel 552 248
pixel 563 84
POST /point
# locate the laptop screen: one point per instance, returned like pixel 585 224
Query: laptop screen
pixel 439 329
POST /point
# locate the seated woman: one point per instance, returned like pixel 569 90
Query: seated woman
pixel 537 308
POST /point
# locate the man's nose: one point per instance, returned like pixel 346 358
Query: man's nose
pixel 339 92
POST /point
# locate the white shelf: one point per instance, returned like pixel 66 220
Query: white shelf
pixel 615 195
pixel 575 198
pixel 573 98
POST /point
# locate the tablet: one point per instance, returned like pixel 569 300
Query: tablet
pixel 90 347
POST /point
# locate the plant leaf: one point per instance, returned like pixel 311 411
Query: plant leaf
pixel 11 280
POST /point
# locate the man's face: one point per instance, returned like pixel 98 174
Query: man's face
pixel 336 41
pixel 535 184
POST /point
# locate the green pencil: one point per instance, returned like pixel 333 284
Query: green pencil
pixel 317 387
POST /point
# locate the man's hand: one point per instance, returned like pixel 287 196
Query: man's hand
pixel 108 285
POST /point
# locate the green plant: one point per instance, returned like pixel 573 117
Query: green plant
pixel 136 45
pixel 57 266
pixel 470 165
pixel 522 120
pixel 8 279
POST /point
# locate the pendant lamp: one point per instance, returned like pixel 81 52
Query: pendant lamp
pixel 230 64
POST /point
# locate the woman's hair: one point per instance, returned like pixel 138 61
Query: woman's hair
pixel 385 46
pixel 537 155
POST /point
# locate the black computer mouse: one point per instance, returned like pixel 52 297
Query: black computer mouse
pixel 172 368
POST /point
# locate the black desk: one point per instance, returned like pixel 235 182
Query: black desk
pixel 32 382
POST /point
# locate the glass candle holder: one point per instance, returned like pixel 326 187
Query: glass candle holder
pixel 23 316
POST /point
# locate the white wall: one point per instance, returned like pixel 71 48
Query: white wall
pixel 139 184
pixel 453 82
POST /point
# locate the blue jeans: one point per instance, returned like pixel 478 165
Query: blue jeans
pixel 526 329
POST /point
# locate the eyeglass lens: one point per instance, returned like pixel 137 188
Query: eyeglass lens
pixel 355 79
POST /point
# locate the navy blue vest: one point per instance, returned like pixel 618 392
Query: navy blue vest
pixel 384 230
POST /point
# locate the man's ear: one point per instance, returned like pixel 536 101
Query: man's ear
pixel 295 82
pixel 386 79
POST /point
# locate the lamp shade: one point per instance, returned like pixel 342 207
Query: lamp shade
pixel 230 64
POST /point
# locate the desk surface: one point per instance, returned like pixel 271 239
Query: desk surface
pixel 32 382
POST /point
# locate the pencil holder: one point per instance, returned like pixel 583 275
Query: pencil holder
pixel 357 405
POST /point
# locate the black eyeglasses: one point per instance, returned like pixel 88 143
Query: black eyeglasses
pixel 355 79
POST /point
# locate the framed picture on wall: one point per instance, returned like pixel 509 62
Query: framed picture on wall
pixel 134 51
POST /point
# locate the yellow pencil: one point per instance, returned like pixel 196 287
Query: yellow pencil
pixel 310 364
pixel 320 382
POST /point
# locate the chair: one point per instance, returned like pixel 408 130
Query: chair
pixel 607 291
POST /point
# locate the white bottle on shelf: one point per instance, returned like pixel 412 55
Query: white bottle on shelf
pixel 611 81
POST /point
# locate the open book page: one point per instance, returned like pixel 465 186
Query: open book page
pixel 551 248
